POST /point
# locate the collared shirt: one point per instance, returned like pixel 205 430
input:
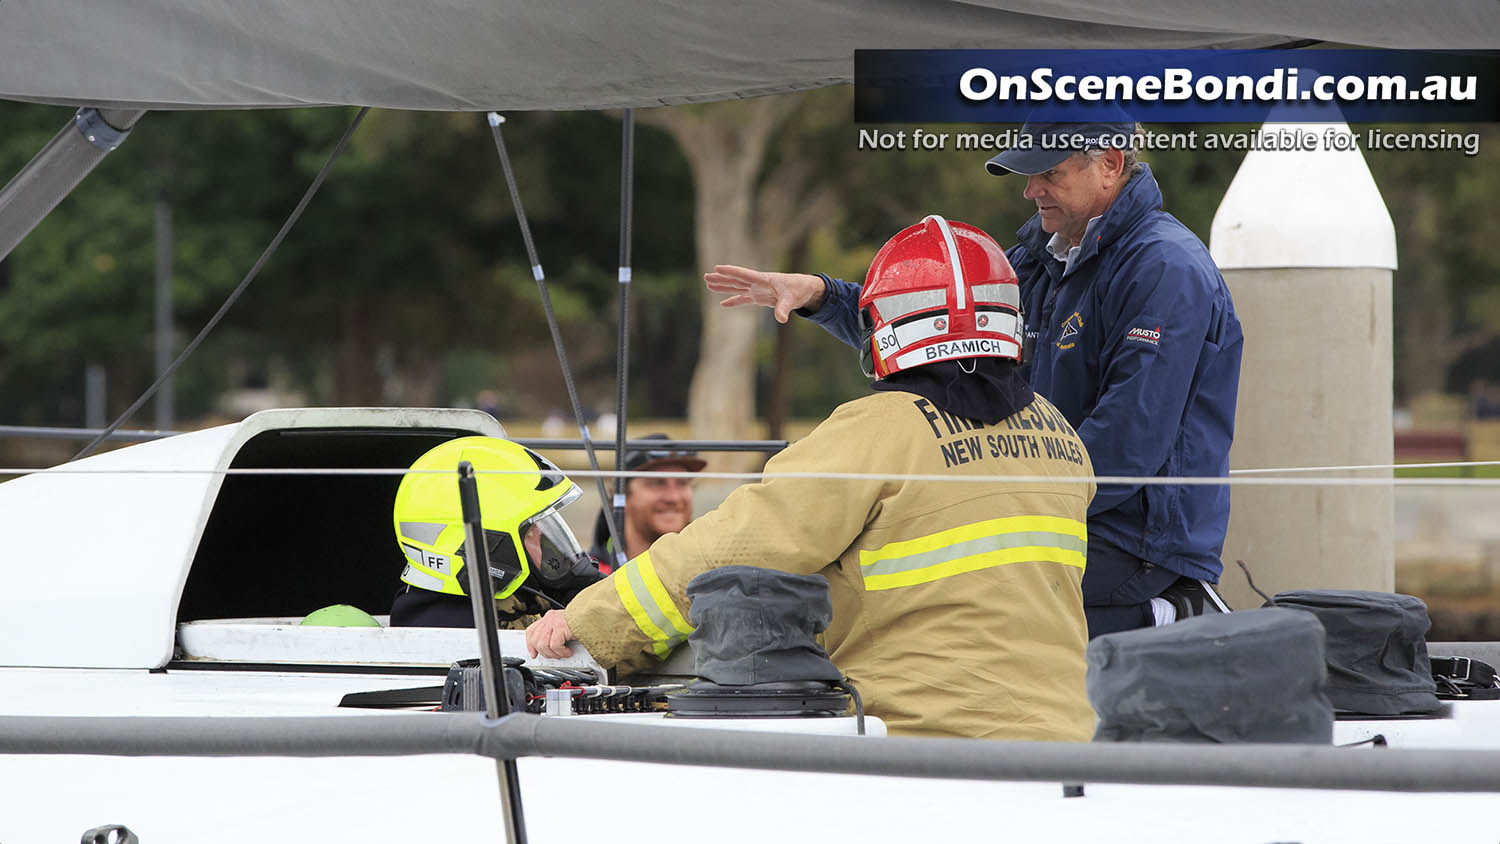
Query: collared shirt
pixel 1058 246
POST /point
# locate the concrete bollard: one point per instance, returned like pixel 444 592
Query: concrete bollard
pixel 1307 248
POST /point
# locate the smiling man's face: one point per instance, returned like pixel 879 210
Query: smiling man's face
pixel 655 507
pixel 1074 192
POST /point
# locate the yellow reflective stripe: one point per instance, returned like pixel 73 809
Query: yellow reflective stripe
pixel 991 527
pixel 1023 554
pixel 663 600
pixel 996 542
pixel 647 602
pixel 638 613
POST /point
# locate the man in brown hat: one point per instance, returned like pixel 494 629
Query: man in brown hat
pixel 654 506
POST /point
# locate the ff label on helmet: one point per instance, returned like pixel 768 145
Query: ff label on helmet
pixel 520 496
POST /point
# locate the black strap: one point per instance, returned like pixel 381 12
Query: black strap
pixel 424 696
pixel 1464 678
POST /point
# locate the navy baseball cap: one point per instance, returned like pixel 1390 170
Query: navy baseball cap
pixel 1042 146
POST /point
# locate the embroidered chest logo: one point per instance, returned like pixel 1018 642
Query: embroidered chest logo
pixel 1145 335
pixel 1070 328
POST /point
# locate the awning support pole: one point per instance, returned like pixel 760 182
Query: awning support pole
pixel 71 155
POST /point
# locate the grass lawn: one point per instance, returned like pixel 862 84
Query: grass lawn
pixel 1448 472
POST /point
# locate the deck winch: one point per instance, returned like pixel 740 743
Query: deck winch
pixel 530 689
pixel 755 640
pixel 800 698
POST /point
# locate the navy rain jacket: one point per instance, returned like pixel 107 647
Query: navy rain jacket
pixel 1138 346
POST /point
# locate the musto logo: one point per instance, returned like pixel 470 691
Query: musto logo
pixel 1145 335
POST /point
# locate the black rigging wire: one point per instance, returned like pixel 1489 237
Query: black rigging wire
pixel 234 295
pixel 543 595
pixel 622 359
pixel 1246 569
pixel 562 356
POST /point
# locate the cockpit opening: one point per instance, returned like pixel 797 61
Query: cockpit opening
pixel 286 544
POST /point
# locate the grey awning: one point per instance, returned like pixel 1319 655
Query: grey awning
pixel 566 54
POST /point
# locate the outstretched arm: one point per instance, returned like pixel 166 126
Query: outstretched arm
pixel 829 302
pixel 781 292
pixel 641 611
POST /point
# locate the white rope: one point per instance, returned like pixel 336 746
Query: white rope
pixel 1462 464
pixel 70 469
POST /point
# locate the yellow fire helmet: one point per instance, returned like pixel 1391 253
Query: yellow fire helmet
pixel 520 494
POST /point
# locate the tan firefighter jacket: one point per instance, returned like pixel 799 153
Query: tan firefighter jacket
pixel 957 606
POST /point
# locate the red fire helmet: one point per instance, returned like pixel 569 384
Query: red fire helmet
pixel 939 291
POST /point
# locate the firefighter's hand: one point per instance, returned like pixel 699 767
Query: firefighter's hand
pixel 549 636
pixel 781 292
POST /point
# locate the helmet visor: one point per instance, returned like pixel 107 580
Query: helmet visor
pixel 545 541
pixel 552 549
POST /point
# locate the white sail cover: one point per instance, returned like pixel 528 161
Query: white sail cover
pixel 574 54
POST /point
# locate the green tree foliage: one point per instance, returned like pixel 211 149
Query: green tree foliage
pixel 409 257
pixel 1446 289
pixel 407 282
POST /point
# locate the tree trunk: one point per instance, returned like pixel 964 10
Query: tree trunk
pixel 721 399
pixel 725 145
pixel 421 381
pixel 779 394
pixel 358 382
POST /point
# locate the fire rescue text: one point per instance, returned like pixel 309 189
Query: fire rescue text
pixel 1040 431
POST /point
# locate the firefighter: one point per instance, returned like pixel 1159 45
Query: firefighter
pixel 535 560
pixel 1138 346
pixel 957 605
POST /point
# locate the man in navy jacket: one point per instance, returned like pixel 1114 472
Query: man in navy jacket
pixel 1134 338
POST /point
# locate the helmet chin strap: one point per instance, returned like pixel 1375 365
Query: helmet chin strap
pixel 973 365
pixel 866 353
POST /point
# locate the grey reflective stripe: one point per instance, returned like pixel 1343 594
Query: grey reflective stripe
pixel 422 531
pixel 421 579
pixel 997 294
pixel 413 554
pixel 648 603
pixel 900 304
pixel 972 547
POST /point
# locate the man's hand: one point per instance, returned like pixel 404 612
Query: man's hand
pixel 781 292
pixel 549 636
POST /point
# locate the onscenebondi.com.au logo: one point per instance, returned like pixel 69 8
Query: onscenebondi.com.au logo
pixel 1175 86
